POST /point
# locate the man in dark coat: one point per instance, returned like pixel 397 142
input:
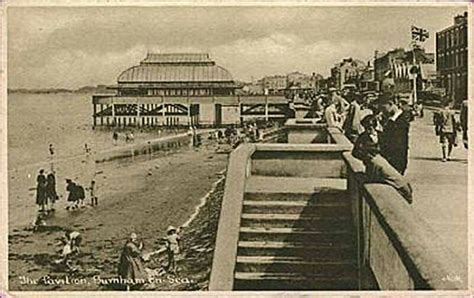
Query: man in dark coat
pixel 464 123
pixel 377 169
pixel 41 190
pixel 394 139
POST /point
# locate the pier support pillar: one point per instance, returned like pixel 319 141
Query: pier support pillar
pixel 101 115
pixel 138 121
pixel 94 116
pixel 114 120
pixel 266 110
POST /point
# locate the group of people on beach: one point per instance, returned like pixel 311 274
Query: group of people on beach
pixel 77 194
pixel 46 194
pixel 129 137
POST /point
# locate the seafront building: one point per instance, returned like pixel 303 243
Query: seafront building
pixel 176 89
pixel 348 71
pixel 451 59
pixel 394 70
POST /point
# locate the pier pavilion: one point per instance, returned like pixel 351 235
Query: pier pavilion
pixel 181 90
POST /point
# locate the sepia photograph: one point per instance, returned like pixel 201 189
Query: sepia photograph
pixel 252 147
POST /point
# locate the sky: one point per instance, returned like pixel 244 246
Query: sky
pixel 70 47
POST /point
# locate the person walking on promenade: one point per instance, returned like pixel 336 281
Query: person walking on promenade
pixel 464 123
pixel 408 112
pixel 394 139
pixel 447 126
pixel 51 194
pixel 130 267
pixel 41 199
pixel 377 169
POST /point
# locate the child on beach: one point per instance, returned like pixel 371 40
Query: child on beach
pixel 76 195
pixel 39 223
pixel 115 138
pixel 71 242
pixel 172 246
pixel 93 193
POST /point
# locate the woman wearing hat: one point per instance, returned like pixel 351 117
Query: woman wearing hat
pixel 41 190
pixel 130 267
pixel 377 168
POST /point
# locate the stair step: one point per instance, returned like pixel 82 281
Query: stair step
pixel 294 220
pixel 294 264
pixel 297 207
pixel 294 203
pixel 294 235
pixel 325 197
pixel 291 281
pixel 323 251
pixel 267 184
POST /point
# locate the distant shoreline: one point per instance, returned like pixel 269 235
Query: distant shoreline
pixel 82 90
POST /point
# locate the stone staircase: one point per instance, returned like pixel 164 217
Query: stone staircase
pixel 296 234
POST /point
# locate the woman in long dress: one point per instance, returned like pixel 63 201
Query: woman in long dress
pixel 130 267
pixel 51 193
pixel 41 190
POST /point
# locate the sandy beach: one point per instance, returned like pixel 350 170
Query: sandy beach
pixel 144 196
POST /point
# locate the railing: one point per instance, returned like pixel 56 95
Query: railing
pixel 224 99
pixel 397 249
pixel 223 265
pixel 261 159
pixel 273 135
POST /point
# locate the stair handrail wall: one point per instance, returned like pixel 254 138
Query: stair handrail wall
pixel 225 254
pixel 397 250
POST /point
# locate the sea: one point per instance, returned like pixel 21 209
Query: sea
pixel 64 120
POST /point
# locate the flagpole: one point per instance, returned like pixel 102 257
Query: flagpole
pixel 415 99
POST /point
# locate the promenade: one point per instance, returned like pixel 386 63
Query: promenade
pixel 440 188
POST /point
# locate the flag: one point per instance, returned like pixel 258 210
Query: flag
pixel 419 34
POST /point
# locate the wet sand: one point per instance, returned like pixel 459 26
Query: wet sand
pixel 145 196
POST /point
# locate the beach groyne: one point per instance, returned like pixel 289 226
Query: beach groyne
pixel 148 147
